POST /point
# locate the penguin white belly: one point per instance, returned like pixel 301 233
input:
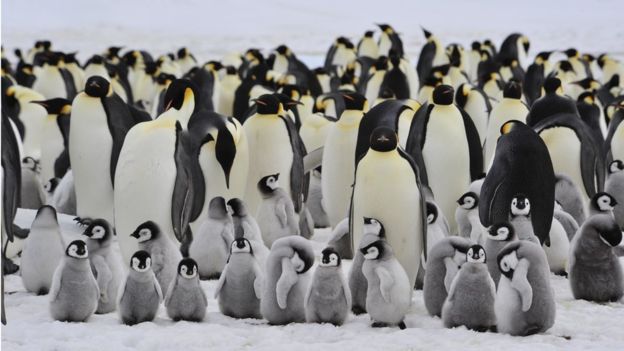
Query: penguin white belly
pixel 270 152
pixel 492 90
pixel 226 96
pixel 405 122
pixel 425 94
pixel 384 45
pixel 617 143
pixel 33 117
pixel 502 112
pixel 119 90
pixel 565 152
pixel 314 131
pixel 557 253
pixel 78 75
pixel 477 110
pixel 53 141
pixel 280 64
pixel 386 190
pixel 50 83
pixel 446 157
pixel 374 84
pixel 90 146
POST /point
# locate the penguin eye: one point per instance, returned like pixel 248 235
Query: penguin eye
pixel 502 232
pixel 430 218
pixel 514 202
pixel 135 262
pixel 183 270
pixel 148 262
pixel 145 232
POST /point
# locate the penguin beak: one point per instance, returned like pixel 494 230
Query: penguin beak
pixel 135 235
pixel 169 105
pixel 258 101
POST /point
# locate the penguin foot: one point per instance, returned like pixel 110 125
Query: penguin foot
pixel 402 325
pixel 83 221
pixel 357 310
pixel 379 325
pixel 42 291
pixel 562 274
pixel 8 267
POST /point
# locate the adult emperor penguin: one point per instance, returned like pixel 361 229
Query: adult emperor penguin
pixel 433 126
pixel 286 280
pixel 239 289
pixel 514 47
pixel 499 235
pixel 595 271
pixel 477 105
pixel 185 298
pixel 140 294
pixel 42 252
pixel 54 156
pixel 551 103
pixel 328 299
pixel 509 108
pixel 74 293
pixel 389 40
pixel 525 301
pixel 470 301
pixel 521 164
pixel 615 185
pixel 53 79
pixel 367 46
pixel 31 115
pixel 431 55
pixel 398 204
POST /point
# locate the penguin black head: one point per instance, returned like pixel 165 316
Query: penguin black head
pixel 231 70
pixel 501 232
pixel 476 254
pixel 368 34
pixel 141 261
pixel 51 185
pixel 287 102
pixel 571 52
pixel 566 66
pixel 468 201
pixel 217 208
pixel 97 87
pixel 385 28
pixel 551 85
pixel 268 104
pixel 355 101
pixel 55 106
pixel 443 95
pixel 113 51
pixel 374 226
pixel 146 231
pixel 427 33
pixel 292 91
pixel 77 249
pixel 241 245
pixel 476 46
pixel 432 212
pixel 383 139
pixel 508 259
pixel 99 230
pixel 587 97
pixel 542 57
pixel 187 268
pixel 95 60
pixel 374 251
pixel 381 64
pixel 238 207
pixel 520 205
pixel 179 92
pixel 283 50
pixel 70 57
pixel 268 184
pixel 603 202
pixel 616 166
pixel 513 90
pixel 182 53
pixel 510 126
pixel 330 258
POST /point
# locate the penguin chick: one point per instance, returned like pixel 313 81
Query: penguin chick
pixel 185 299
pixel 286 280
pixel 615 185
pixel 211 244
pixel 328 300
pixel 595 271
pixel 443 263
pixel 470 301
pixel 42 252
pixel 245 226
pixel 276 214
pixel 602 203
pixel 140 294
pixel 74 293
pixel 389 291
pixel 498 236
pixel 162 250
pixel 520 218
pixel 437 229
pixel 240 286
pixel 104 263
pixel 467 216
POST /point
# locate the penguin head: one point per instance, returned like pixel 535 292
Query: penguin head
pixel 355 101
pixel 501 232
pixel 520 205
pixel 565 66
pixel 268 184
pixel 77 249
pixel 428 34
pixel 146 231
pixel 99 230
pixel 542 57
pixel 217 208
pixel 183 53
pixel 283 50
pixel 571 53
pixel 97 87
pixel 95 60
pixel 187 268
pixel 369 34
pixel 113 51
pixel 475 46
pixel 386 28
pixel 375 250
pixel 512 90
pixel 287 102
pixel 383 139
pixel 237 207
pixel 468 201
pixel 241 245
pixel 586 98
pixel 269 104
pixel 508 259
pixel 616 166
pixel 141 261
pixel 551 85
pixel 301 265
pixel 51 185
pixel 510 126
pixel 374 226
pixel 55 106
pixel 330 258
pixel 179 93
pixel 603 202
pixel 475 254
pixel 432 212
pixel 443 95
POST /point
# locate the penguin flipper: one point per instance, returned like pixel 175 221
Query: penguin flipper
pixel 299 180
pixel 221 282
pixel 119 119
pixel 258 282
pixel 520 282
pixel 184 198
pixel 474 146
pixel 451 272
pixel 280 212
pixel 56 282
pixel 385 283
pixel 285 282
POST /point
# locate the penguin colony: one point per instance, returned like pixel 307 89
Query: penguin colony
pixel 470 175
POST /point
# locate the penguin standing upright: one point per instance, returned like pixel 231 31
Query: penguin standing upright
pixel 477 105
pixel 551 103
pixel 276 215
pixel 389 40
pixel 615 185
pixel 367 47
pixel 431 55
pixel 328 299
pixel 373 230
pixel 140 294
pixel 54 156
pixel 185 298
pixel 53 79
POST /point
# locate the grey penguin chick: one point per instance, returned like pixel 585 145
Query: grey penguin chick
pixel 525 301
pixel 595 270
pixel 211 244
pixel 164 253
pixel 389 291
pixel 286 280
pixel 443 263
pixel 74 293
pixel 614 185
pixel 276 214
pixel 602 202
pixel 470 302
pixel 467 214
pixel 32 196
pixel 373 231
pixel 185 299
pixel 569 196
pixel 246 226
pixel 104 263
pixel 499 235
pixel 520 218
pixel 42 252
pixel 315 200
pixel 239 289
pixel 140 294
pixel 328 299
pixel 437 229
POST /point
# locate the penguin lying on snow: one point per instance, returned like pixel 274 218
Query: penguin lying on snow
pixel 140 294
pixel 328 300
pixel 185 299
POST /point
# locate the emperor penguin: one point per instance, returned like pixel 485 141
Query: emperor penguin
pixel 328 299
pixel 467 215
pixel 373 230
pixel 286 281
pixel 367 46
pixel 74 293
pixel 42 252
pixel 140 294
pixel 509 108
pixel 276 215
pixel 470 301
pixel 595 270
pixel 499 235
pixel 104 263
pixel 602 202
pixel 520 217
pixel 30 114
pixel 389 291
pixel 431 55
pixel 525 301
pixel 338 166
pixel 32 192
pixel 246 226
pixel 162 250
pixel 477 105
pixel 239 289
pixel 551 103
pixel 211 244
pixel 580 67
pixel 398 204
pixel 615 186
pixel 514 47
pixel 389 40
pixel 185 298
pixel 341 53
pixel 229 83
pixel 55 137
pixel 186 60
pixel 53 79
pixel 443 263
